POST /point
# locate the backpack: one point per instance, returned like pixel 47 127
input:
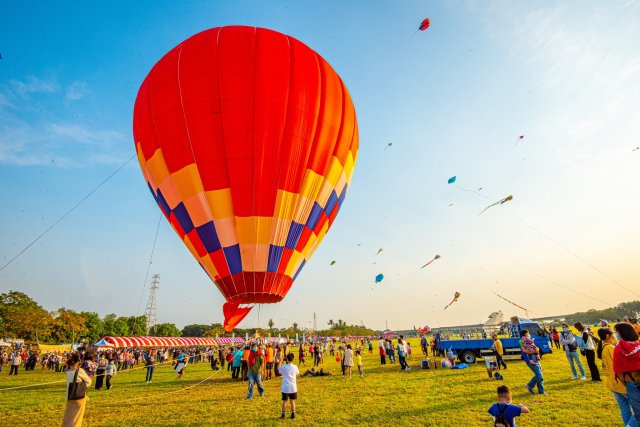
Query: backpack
pixel 501 419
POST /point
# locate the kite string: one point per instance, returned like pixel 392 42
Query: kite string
pixel 556 283
pixel 146 276
pixel 66 213
pixel 572 253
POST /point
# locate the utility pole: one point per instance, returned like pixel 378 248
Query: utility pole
pixel 150 311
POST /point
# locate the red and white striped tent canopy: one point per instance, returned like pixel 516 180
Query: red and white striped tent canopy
pixel 227 340
pixel 119 342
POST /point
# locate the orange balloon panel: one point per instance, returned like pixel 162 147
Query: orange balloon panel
pixel 248 141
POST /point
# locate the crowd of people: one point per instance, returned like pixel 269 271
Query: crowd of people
pixel 618 349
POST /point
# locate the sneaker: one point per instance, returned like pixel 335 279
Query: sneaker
pixel 583 378
pixel 575 378
pixel 529 389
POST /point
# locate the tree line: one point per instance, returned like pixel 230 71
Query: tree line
pixel 22 317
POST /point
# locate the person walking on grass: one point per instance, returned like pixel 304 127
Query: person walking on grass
pixel 348 361
pixel 605 353
pixel 504 412
pixel 626 364
pixel 77 383
pixel 498 351
pixel 402 354
pixel 289 387
pixel 268 358
pixel 568 340
pixel 236 363
pixel 536 368
pixel 256 371
pixel 590 343
pixel 110 372
pixel 359 363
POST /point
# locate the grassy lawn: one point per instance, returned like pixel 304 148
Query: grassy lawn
pixel 385 395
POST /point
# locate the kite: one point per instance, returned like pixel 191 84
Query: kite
pixel 636 149
pixel 499 202
pixel 520 138
pixel 333 262
pixel 455 298
pixel 424 330
pixel 379 278
pixel 216 127
pixel 451 180
pixel 389 145
pixel 434 258
pixel 510 302
pixel 379 250
pixel 425 24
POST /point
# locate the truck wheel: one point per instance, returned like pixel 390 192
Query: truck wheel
pixel 467 357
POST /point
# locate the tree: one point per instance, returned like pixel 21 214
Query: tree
pixel 330 323
pixel 136 325
pixel 215 330
pixel 23 317
pixel 94 325
pixel 194 330
pixel 165 330
pixel 67 326
pixel 270 323
pixel 295 327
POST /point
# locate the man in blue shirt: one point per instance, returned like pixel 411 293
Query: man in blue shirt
pixel 504 410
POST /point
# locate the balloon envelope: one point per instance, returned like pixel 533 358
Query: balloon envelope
pixel 248 141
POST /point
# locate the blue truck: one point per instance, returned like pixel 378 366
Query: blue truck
pixel 468 350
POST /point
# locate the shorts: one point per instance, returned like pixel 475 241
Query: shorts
pixel 289 396
pixel 269 365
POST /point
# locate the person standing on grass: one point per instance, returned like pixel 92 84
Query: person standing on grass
pixel 383 355
pixel 571 350
pixel 244 367
pixel 390 352
pixel 348 361
pixel 590 343
pixel 150 364
pixel 626 364
pixel 16 360
pixel 605 353
pixel 504 412
pixel 236 364
pixel 277 360
pixel 268 358
pixel 110 372
pixel 256 371
pixel 289 387
pixel 402 354
pixel 74 411
pixel 423 345
pixel 359 363
pixel 317 355
pixel 536 368
pixel 555 337
pixel 301 355
pixel 100 372
pixel 498 351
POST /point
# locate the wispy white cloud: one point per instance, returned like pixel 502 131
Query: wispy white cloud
pixel 34 131
pixel 76 90
pixel 32 84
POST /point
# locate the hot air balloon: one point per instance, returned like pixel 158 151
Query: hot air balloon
pixel 248 141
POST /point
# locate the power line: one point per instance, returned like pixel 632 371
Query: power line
pixel 66 213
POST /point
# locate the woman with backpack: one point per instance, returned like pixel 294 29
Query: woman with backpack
pixel 571 349
pixel 590 343
pixel 605 353
pixel 626 364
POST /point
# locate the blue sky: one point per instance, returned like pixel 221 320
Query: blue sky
pixel 452 100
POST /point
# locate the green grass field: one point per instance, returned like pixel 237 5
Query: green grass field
pixel 384 396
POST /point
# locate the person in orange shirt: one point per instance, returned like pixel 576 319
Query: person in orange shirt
pixel 269 361
pixel 244 368
pixel 636 326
